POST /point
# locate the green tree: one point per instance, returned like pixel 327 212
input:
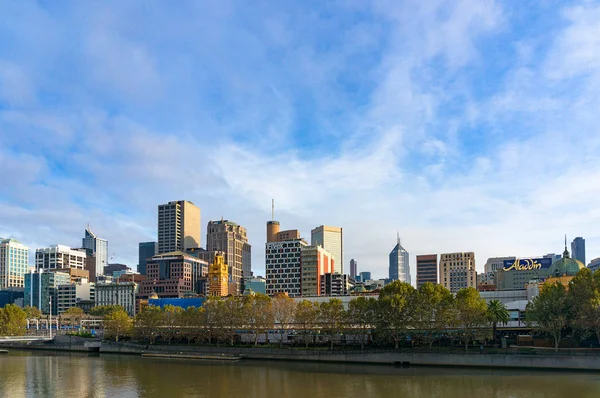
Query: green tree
pixel 583 301
pixel 259 315
pixel 231 316
pixel 213 319
pixel 432 312
pixel 284 308
pixel 497 313
pixel 103 310
pixel 148 323
pixel 192 322
pixel 171 322
pixel 117 324
pixel 470 315
pixel 32 312
pixel 394 311
pixel 305 317
pixel 547 312
pixel 332 318
pixel 13 320
pixel 73 316
pixel 361 317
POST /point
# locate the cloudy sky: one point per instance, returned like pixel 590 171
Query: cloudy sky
pixel 466 125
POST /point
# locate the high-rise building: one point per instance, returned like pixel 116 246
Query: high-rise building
pixel 399 264
pixel 365 276
pixel 146 250
pixel 331 239
pixel 230 238
pixel 494 264
pixel 427 270
pixel 59 256
pixel 578 249
pixel 14 263
pixel 173 275
pixel 315 262
pixel 178 226
pixel 553 256
pixel 69 295
pixel 457 271
pixel 121 293
pixel 97 249
pixel 283 267
pixel 336 284
pixel 594 265
pixel 218 277
pixel 41 288
pixel 353 268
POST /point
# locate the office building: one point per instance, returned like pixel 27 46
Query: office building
pixel 97 253
pixel 399 269
pixel 121 293
pixel 315 262
pixel 365 276
pixel 12 295
pixel 75 274
pixel 14 263
pixel 256 284
pixel 594 265
pixel 59 256
pixel 486 281
pixel 457 271
pixel 218 276
pixel 353 268
pixel 173 275
pixel 333 284
pixel 427 269
pixel 230 238
pixel 283 267
pixel 133 277
pixel 178 226
pixel 553 256
pixel 578 249
pixel 42 287
pixel 494 264
pixel 332 240
pixel 110 269
pixel 69 295
pixel 146 250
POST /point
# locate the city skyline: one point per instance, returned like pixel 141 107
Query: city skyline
pixel 455 125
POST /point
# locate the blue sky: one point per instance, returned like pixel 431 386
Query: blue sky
pixel 466 125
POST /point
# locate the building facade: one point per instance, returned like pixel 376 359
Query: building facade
pixel 59 256
pixel 14 263
pixel 256 284
pixel 218 277
pixel 230 238
pixel 178 226
pixel 97 249
pixel 578 249
pixel 173 275
pixel 427 269
pixel 315 261
pixel 594 265
pixel 121 293
pixel 71 294
pixel 494 264
pixel 283 267
pixel 365 276
pixel 333 284
pixel 457 271
pixel 146 250
pixel 353 268
pixel 399 268
pixel 110 269
pixel 517 274
pixel 41 289
pixel 332 240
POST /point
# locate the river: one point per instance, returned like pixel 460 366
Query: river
pixel 40 374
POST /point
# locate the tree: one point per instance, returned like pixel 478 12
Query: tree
pixel 432 312
pixel 583 301
pixel 547 313
pixel 361 317
pixel 470 314
pixel 32 312
pixel 497 313
pixel 212 319
pixel 117 324
pixel 231 316
pixel 192 322
pixel 332 318
pixel 171 322
pixel 394 311
pixel 73 315
pixel 259 315
pixel 103 310
pixel 306 315
pixel 148 322
pixel 13 320
pixel 284 308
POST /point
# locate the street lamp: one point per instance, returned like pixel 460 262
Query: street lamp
pixel 50 317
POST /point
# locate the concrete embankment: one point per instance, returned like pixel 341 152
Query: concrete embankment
pixel 59 343
pixel 532 361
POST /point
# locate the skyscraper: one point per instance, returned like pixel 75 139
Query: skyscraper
pixel 283 267
pixel 353 268
pixel 427 269
pixel 231 238
pixel 97 253
pixel 146 250
pixel 14 263
pixel 178 226
pixel 457 271
pixel 578 249
pixel 331 239
pixel 399 267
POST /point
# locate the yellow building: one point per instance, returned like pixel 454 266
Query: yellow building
pixel 218 277
pixel 457 271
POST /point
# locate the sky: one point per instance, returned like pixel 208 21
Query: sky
pixel 463 125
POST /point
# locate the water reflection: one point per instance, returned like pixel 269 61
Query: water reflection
pixel 50 374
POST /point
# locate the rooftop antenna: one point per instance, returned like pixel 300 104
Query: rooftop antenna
pixel 398 237
pixel 272 209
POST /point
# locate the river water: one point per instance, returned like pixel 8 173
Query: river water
pixel 38 374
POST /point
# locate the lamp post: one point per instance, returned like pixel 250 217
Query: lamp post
pixel 50 317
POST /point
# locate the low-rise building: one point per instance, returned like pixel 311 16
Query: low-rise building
pixel 333 284
pixel 120 293
pixel 69 295
pixel 256 284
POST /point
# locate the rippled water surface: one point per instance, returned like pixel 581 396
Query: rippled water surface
pixel 36 374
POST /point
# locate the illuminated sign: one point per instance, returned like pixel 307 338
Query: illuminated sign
pixel 529 264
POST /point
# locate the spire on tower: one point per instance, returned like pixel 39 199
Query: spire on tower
pixel 272 209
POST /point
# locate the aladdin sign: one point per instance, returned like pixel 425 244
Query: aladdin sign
pixel 529 264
